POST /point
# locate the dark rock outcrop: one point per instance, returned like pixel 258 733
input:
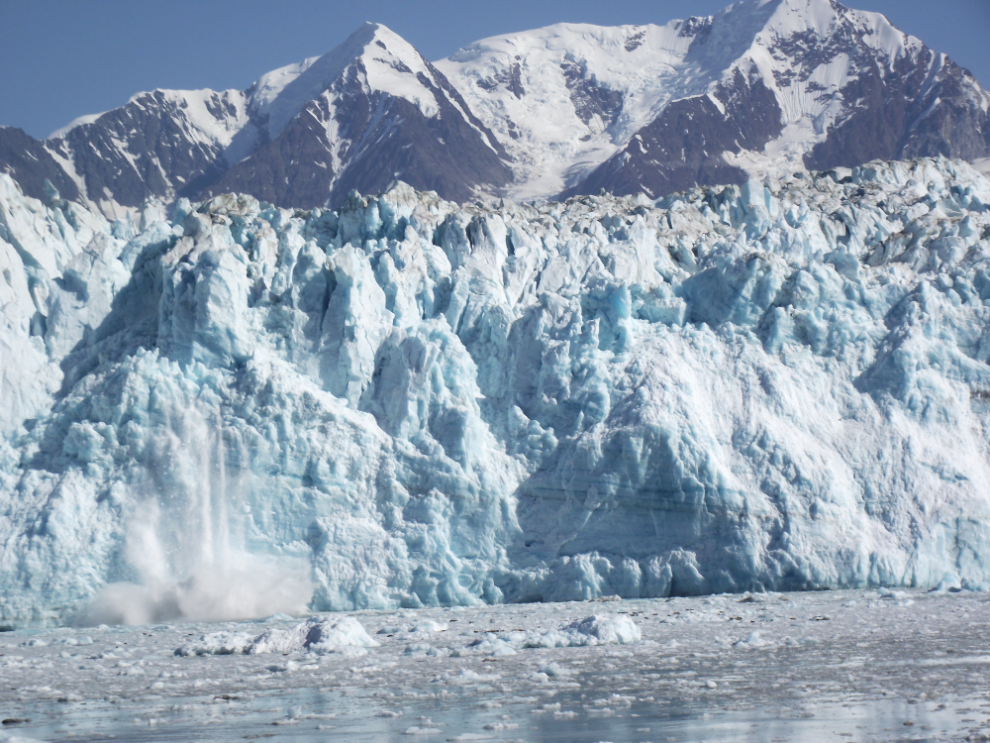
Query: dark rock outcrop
pixel 31 164
pixel 379 138
pixel 683 146
pixel 925 108
pixel 307 135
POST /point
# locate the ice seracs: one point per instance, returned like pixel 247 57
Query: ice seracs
pixel 407 402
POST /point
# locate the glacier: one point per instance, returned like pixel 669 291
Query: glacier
pixel 240 409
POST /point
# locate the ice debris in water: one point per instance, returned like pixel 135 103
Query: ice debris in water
pixel 593 630
pixel 218 643
pixel 244 410
pixel 315 635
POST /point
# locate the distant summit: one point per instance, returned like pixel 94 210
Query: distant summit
pixel 765 87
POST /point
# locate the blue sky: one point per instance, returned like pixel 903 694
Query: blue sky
pixel 60 59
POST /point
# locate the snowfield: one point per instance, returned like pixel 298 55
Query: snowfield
pixel 861 665
pixel 565 98
pixel 242 410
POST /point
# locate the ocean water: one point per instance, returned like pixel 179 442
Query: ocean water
pixel 823 666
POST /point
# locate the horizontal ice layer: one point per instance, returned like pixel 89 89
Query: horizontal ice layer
pixel 245 410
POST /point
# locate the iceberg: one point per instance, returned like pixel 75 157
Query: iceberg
pixel 242 410
pixel 314 635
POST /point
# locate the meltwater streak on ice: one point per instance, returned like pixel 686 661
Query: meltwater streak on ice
pixel 187 545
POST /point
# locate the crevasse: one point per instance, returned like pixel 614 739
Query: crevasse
pixel 246 409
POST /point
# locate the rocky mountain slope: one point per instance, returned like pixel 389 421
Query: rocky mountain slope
pixel 760 88
pixel 369 112
pixel 766 87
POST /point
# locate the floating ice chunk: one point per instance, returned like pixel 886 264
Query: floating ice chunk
pixel 218 643
pixel 276 640
pixel 315 635
pixel 497 647
pixel 498 727
pixel 887 593
pixel 555 670
pixel 593 630
pixel 467 676
pixel 615 629
pixel 754 640
pixel 18 739
pixel 428 625
pixel 70 641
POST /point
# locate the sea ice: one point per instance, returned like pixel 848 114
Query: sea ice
pixel 829 665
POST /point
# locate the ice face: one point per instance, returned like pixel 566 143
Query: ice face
pixel 246 410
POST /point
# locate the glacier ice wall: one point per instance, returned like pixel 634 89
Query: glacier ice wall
pixel 245 409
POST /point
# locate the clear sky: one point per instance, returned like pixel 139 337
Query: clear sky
pixel 60 59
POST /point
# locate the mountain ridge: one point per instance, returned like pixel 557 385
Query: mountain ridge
pixel 562 110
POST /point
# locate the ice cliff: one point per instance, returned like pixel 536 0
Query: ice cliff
pixel 245 409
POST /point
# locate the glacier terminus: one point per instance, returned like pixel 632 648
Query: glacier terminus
pixel 230 409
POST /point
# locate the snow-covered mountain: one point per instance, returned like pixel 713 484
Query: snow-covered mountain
pixel 765 87
pixel 243 409
pixel 223 404
pixel 370 111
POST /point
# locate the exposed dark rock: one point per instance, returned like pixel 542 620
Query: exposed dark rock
pixel 295 169
pixel 913 112
pixel 590 97
pixel 697 26
pixel 30 164
pixel 635 41
pixel 445 153
pixel 946 120
pixel 145 148
pixel 511 79
pixel 380 138
pixel 916 104
pixel 683 147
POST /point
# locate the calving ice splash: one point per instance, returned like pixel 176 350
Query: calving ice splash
pixel 244 410
pixel 185 548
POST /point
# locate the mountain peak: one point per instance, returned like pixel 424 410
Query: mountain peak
pixel 825 18
pixel 762 87
pixel 371 37
pixel 389 62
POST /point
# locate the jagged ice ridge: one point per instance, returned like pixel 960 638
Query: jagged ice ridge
pixel 245 409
